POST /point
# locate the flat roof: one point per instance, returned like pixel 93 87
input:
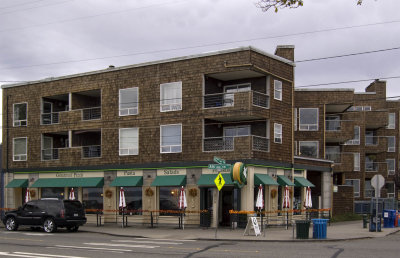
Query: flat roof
pixel 226 51
pixel 324 89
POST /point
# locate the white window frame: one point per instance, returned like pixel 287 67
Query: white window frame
pixel 391 148
pixel 20 157
pixel 391 121
pixel 278 133
pixel 356 193
pixel 278 90
pixel 391 171
pixel 177 102
pixel 357 165
pixel 300 142
pixel 170 146
pixel 308 127
pixel 355 141
pixel 24 122
pixel 132 150
pixel 392 194
pixel 131 110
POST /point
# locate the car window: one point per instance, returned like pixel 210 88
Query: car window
pixel 41 205
pixel 29 207
pixel 72 205
pixel 53 206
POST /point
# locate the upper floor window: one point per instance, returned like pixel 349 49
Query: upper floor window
pixel 171 138
pixel 356 161
pixel 171 96
pixel 390 189
pixel 359 108
pixel 308 120
pixel 391 121
pixel 277 133
pixel 20 150
pixel 277 90
pixel 129 101
pixel 128 141
pixel 390 166
pixel 391 143
pixel 356 139
pixel 332 123
pixel 308 149
pixel 20 111
pixel 356 186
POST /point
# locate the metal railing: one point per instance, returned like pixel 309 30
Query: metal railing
pixel 332 125
pixel 371 166
pixel 50 118
pixel 260 99
pixel 50 154
pixel 371 140
pixel 93 151
pixel 260 143
pixel 228 99
pixel 219 144
pixel 91 113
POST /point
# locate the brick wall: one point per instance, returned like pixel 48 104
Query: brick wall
pixel 343 200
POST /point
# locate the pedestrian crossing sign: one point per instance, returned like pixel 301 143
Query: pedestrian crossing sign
pixel 219 181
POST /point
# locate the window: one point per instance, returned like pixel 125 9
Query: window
pixel 359 108
pixel 171 96
pixel 332 153
pixel 356 186
pixel 391 143
pixel 52 192
pixel 295 119
pixel 129 101
pixel 92 199
pixel 308 149
pixel 20 114
pixel 356 161
pixel 356 139
pixel 20 149
pixel 308 119
pixel 277 133
pixel 230 92
pixel 169 198
pixel 332 123
pixel 371 138
pixel 133 198
pixel 128 141
pixel 277 90
pixel 390 188
pixel 370 164
pixel 237 131
pixel 390 166
pixel 368 189
pixel 171 138
pixel 391 121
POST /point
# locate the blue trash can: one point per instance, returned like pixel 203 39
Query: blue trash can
pixel 319 228
pixel 374 223
pixel 388 218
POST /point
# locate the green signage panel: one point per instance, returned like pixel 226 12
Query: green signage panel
pixel 219 166
pixel 219 160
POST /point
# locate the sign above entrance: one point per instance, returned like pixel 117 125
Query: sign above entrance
pixel 219 166
pixel 219 160
pixel 219 181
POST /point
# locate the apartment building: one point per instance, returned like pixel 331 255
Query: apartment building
pixel 153 128
pixel 359 131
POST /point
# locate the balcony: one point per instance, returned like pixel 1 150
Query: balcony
pixel 376 119
pixel 50 118
pixel 376 144
pixel 346 162
pixel 257 143
pixel 51 108
pixel 50 154
pixel 91 113
pixel 52 143
pixel 93 151
pixel 89 141
pixel 88 102
pixel 337 131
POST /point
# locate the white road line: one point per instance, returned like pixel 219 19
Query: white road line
pixel 147 242
pixel 37 234
pixel 50 255
pixel 123 245
pixel 161 239
pixel 89 250
pixel 20 255
pixel 92 248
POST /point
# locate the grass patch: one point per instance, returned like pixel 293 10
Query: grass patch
pixel 346 217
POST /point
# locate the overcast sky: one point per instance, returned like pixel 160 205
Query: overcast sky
pixel 49 38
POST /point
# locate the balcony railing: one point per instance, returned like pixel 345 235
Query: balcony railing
pixel 50 154
pixel 91 113
pixel 260 143
pixel 371 166
pixel 50 118
pixel 335 157
pixel 332 125
pixel 219 144
pixel 93 151
pixel 371 140
pixel 228 100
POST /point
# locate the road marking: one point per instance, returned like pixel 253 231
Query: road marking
pixel 37 234
pixel 91 248
pixel 50 255
pixel 216 250
pixel 147 242
pixel 123 245
pixel 22 239
pixel 161 239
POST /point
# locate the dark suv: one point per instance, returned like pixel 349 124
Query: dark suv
pixel 47 213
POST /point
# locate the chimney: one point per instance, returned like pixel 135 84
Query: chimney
pixel 285 51
pixel 379 87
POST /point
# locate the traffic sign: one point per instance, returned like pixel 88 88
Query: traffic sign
pixel 219 166
pixel 377 182
pixel 219 181
pixel 219 160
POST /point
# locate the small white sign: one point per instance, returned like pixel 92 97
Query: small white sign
pixel 255 226
pixel 386 215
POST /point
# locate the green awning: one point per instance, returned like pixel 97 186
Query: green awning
pixel 18 183
pixel 264 179
pixel 169 181
pixel 127 181
pixel 70 182
pixel 208 179
pixel 302 182
pixel 283 181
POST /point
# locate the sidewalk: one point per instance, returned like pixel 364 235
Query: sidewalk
pixel 335 232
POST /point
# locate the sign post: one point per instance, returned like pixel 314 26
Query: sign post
pixel 377 182
pixel 219 182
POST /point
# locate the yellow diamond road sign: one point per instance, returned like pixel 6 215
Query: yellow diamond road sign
pixel 219 181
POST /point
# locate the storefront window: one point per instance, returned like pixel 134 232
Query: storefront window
pixel 92 199
pixel 169 199
pixel 297 200
pixel 52 192
pixel 133 199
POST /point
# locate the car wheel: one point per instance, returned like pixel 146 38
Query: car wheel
pixel 49 225
pixel 73 228
pixel 11 224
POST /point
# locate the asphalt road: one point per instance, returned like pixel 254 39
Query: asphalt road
pixel 63 244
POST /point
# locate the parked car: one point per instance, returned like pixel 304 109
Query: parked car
pixel 48 213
